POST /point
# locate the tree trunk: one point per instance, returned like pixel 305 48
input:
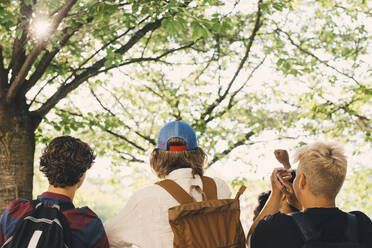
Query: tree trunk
pixel 17 147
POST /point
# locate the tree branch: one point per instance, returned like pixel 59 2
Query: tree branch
pixel 92 70
pixel 105 130
pixel 101 104
pixel 128 157
pixel 18 53
pixel 208 64
pixel 257 26
pixel 3 73
pixel 80 67
pixel 154 92
pixel 132 61
pixel 346 107
pixel 147 138
pixel 41 89
pixel 223 154
pixel 316 57
pixel 124 108
pixel 20 78
pixel 367 12
pixel 158 58
pixel 362 121
pixel 36 50
pixel 147 43
pixel 246 81
pixel 233 95
pixel 172 101
pixel 123 138
pixel 138 35
pixel 47 59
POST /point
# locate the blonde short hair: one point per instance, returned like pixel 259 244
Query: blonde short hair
pixel 324 166
pixel 164 162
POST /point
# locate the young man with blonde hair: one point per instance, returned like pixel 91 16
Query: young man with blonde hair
pixel 144 220
pixel 320 174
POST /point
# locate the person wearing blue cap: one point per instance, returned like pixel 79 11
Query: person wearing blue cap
pixel 143 222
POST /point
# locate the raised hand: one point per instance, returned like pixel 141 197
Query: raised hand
pixel 276 184
pixel 287 189
pixel 283 158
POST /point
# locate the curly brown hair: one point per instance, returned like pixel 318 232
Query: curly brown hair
pixel 262 199
pixel 65 160
pixel 164 162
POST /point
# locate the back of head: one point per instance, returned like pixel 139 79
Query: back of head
pixel 324 166
pixel 177 148
pixel 262 199
pixel 65 160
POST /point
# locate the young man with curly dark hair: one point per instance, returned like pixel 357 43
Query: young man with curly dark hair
pixel 64 162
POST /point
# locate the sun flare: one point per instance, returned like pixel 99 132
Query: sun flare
pixel 41 27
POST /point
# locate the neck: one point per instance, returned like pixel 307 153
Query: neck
pixel 67 191
pixel 318 202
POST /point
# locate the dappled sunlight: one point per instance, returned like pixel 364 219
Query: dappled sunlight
pixel 41 27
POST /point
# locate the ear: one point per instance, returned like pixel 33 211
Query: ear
pixel 82 178
pixel 302 182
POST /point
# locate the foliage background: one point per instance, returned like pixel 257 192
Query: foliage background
pixel 306 76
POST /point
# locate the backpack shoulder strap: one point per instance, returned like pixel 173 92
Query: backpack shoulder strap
pixel 35 203
pixel 240 192
pixel 61 218
pixel 66 229
pixel 352 228
pixel 176 191
pixel 305 226
pixel 209 188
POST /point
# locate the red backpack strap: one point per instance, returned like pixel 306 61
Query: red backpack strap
pixel 209 188
pixel 176 191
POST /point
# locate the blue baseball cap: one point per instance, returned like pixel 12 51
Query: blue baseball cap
pixel 177 129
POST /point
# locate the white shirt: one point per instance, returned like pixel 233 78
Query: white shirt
pixel 144 220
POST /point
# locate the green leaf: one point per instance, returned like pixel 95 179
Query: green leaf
pixel 19 33
pixel 198 30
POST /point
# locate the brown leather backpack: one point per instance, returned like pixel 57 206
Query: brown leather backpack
pixel 211 223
